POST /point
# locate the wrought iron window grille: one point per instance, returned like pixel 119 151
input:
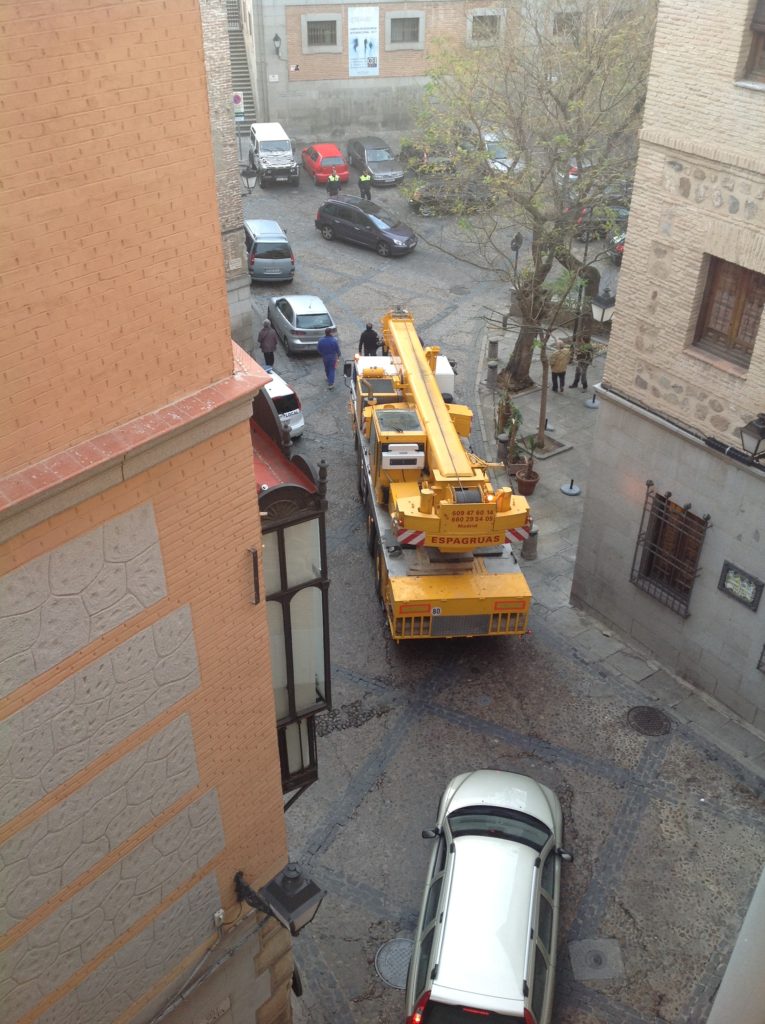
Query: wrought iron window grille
pixel 668 550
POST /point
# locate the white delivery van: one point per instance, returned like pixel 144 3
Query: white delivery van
pixel 272 155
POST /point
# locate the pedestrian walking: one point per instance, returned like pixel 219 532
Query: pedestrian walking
pixel 365 184
pixel 582 357
pixel 559 361
pixel 268 340
pixel 333 184
pixel 329 350
pixel 369 342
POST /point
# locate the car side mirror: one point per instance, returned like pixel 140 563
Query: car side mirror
pixel 431 833
pixel 565 856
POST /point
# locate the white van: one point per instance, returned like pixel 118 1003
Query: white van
pixel 272 155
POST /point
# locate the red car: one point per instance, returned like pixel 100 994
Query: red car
pixel 321 159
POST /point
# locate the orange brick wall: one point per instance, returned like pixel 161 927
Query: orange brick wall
pixel 113 299
pixel 205 503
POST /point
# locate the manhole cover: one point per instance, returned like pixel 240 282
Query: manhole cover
pixel 596 959
pixel 649 721
pixel 392 962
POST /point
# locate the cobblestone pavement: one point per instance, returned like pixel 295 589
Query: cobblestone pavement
pixel 668 831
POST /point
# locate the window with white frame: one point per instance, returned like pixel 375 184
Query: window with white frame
pixel 485 26
pixel 321 33
pixel 405 30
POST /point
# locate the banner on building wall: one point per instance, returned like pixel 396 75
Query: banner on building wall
pixel 363 41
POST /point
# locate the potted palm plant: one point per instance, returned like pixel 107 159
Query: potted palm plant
pixel 527 477
pixel 508 424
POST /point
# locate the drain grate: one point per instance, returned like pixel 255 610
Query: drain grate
pixel 392 962
pixel 649 721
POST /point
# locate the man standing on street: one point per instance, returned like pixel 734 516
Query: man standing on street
pixel 268 339
pixel 329 350
pixel 365 184
pixel 583 356
pixel 559 361
pixel 333 184
pixel 369 342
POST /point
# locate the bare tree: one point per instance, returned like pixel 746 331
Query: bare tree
pixel 563 93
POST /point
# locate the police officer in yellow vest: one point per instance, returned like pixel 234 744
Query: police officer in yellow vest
pixel 333 183
pixel 365 183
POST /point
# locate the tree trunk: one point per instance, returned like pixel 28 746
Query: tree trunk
pixel 515 375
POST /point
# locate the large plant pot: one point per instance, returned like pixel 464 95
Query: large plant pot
pixel 526 481
pixel 515 467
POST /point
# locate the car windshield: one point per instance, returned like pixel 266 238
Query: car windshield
pixel 384 220
pixel 332 161
pixel 277 146
pixel 497 151
pixel 500 823
pixel 311 321
pixel 378 155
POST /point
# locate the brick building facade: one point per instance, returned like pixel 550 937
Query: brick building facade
pixel 316 44
pixel 681 573
pixel 140 766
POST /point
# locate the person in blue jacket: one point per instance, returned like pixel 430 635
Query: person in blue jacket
pixel 329 350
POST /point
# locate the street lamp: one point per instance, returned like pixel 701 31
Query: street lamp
pixel 277 41
pixel 753 437
pixel 515 246
pixel 249 177
pixel 603 307
pixel 290 897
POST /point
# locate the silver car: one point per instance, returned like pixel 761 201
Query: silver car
pixel 299 320
pixel 373 155
pixel 487 934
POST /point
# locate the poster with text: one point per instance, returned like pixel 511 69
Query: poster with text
pixel 363 41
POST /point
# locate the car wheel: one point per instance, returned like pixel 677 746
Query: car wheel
pixel 383 249
pixel 261 181
pixel 327 232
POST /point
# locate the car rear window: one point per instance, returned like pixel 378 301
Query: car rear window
pixel 273 250
pixel 332 161
pixel 500 823
pixel 444 1013
pixel 286 403
pixel 310 321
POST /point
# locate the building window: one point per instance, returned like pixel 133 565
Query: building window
pixel 668 551
pixel 484 26
pixel 321 34
pixel 755 68
pixel 730 311
pixel 404 30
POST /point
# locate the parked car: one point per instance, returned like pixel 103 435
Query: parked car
pixel 269 253
pixel 485 944
pixel 299 320
pixel 287 404
pixel 415 155
pixel 599 220
pixel 438 189
pixel 321 159
pixel 499 156
pixel 365 223
pixel 616 248
pixel 574 168
pixel 373 155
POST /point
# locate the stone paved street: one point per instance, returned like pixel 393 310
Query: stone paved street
pixel 668 831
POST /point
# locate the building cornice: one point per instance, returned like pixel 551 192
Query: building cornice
pixel 36 492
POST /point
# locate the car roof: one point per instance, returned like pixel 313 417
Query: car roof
pixel 264 227
pixel 372 142
pixel 276 387
pixel 325 148
pixel 367 205
pixel 303 303
pixel 503 789
pixel 489 896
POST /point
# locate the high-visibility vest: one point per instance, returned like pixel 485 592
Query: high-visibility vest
pixel 334 177
pixel 365 178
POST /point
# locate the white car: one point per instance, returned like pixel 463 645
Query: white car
pixel 287 404
pixel 486 937
pixel 299 320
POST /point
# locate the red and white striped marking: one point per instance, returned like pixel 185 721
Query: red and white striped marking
pixel 414 538
pixel 521 533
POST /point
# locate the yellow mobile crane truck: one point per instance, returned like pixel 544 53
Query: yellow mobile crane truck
pixel 440 534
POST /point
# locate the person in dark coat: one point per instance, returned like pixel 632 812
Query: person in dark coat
pixel 268 340
pixel 365 185
pixel 582 357
pixel 369 342
pixel 329 350
pixel 333 184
